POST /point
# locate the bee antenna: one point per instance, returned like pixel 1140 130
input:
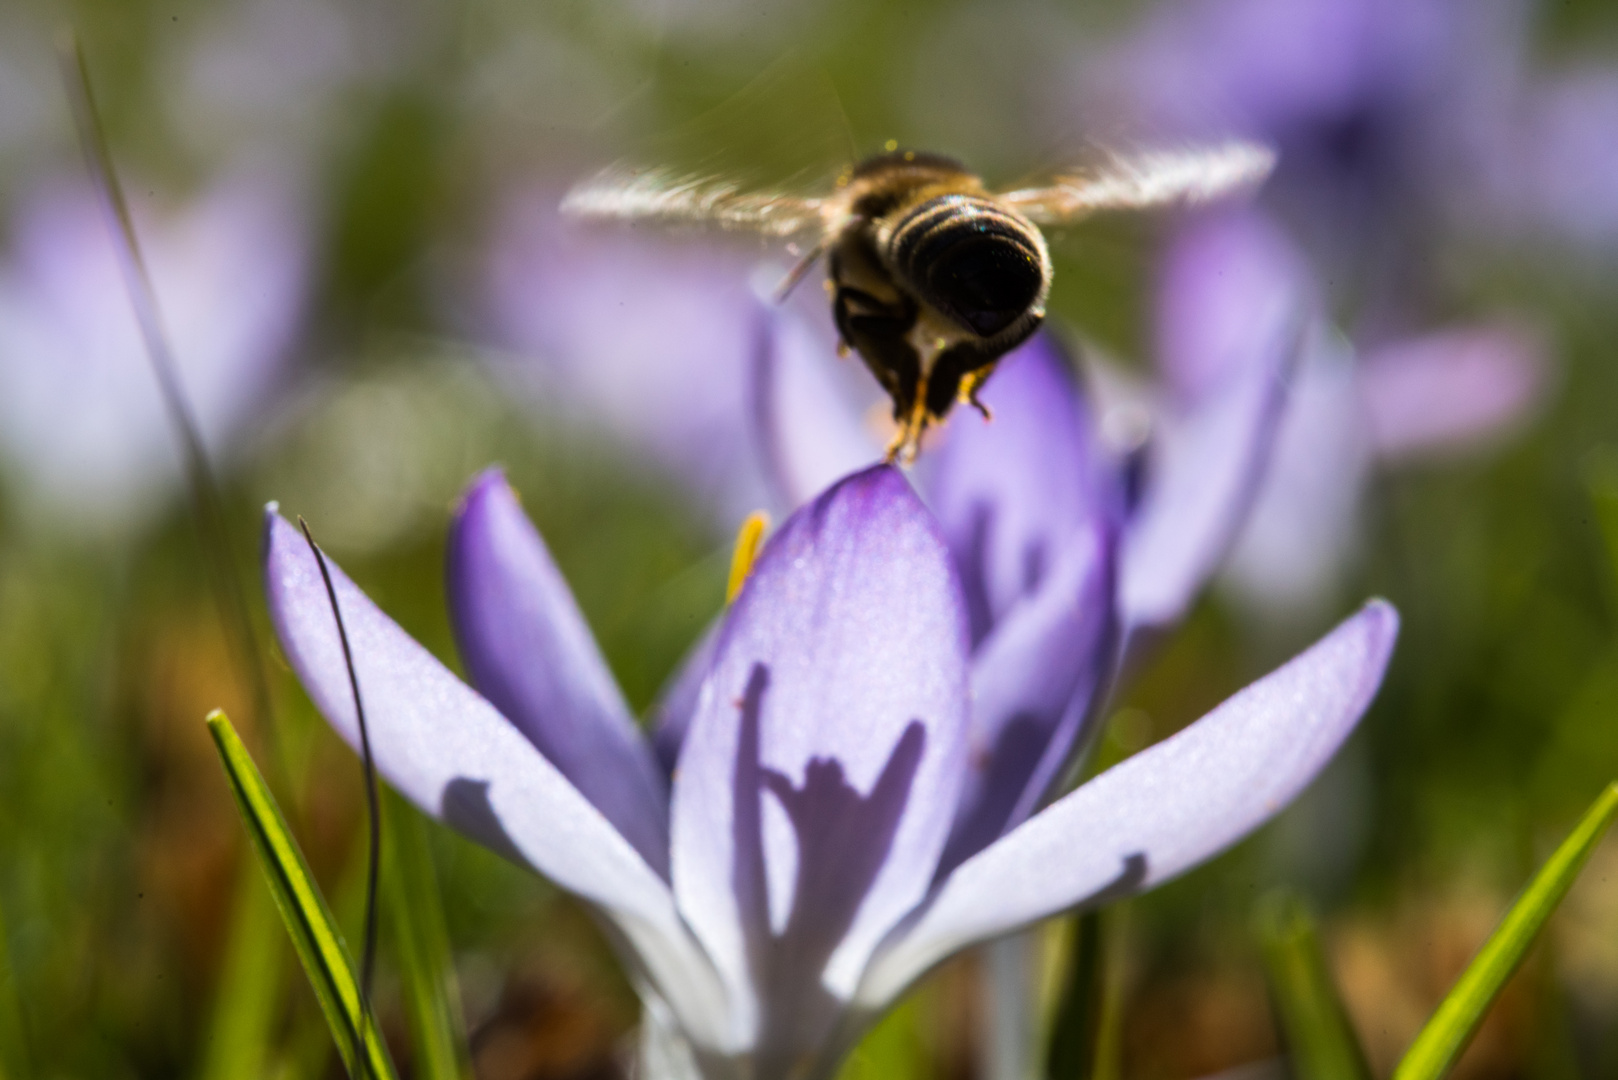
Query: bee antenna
pixel 798 272
pixel 373 861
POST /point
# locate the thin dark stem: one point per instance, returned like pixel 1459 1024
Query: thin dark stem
pixel 373 811
pixel 206 506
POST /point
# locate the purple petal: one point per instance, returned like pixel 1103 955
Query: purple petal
pixel 1212 441
pixel 1226 281
pixel 529 652
pixel 840 688
pixel 1303 526
pixel 1036 683
pixel 1159 813
pixel 807 419
pixel 1013 492
pixel 1449 389
pixel 1029 503
pixel 1205 469
pixel 448 751
pixel 677 703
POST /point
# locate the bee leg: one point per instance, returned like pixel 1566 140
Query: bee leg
pixel 879 332
pixel 958 374
pixel 971 383
pixel 896 446
pixel 906 442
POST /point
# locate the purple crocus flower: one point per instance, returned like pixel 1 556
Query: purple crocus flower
pixel 1400 125
pixel 1395 119
pixel 1070 547
pixel 795 873
pixel 81 418
pixel 1420 396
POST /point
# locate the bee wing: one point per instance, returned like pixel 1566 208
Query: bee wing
pixel 1135 181
pixel 664 197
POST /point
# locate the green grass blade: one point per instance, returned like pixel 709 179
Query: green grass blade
pixel 432 996
pixel 1320 1040
pixel 314 932
pixel 249 993
pixel 1440 1043
pixel 1076 1027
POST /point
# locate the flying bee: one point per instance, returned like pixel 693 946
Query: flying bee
pixel 932 277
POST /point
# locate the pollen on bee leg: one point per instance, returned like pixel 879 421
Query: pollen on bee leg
pixel 749 538
pixel 971 383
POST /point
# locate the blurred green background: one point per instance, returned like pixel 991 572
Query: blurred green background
pixel 121 856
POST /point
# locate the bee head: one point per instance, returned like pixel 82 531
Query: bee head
pixel 981 264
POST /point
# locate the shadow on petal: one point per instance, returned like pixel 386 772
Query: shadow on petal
pixel 465 806
pixel 843 839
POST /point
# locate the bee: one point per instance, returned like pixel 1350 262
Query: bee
pixel 932 277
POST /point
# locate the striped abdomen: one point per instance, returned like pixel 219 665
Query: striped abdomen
pixel 979 263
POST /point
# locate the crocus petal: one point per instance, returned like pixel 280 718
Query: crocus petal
pixel 1302 528
pixel 529 651
pixel 1449 389
pixel 1159 813
pixel 839 687
pixel 1036 682
pixel 807 421
pixel 1211 445
pixel 452 754
pixel 1013 491
pixel 1227 279
pixel 677 702
pixel 1205 469
pixel 1030 505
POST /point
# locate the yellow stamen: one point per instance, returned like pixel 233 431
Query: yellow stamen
pixel 749 538
pixel 891 145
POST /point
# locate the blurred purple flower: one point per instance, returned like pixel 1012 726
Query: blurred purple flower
pixel 1395 119
pixel 81 418
pixel 647 338
pixel 1400 124
pixel 1420 396
pixel 795 874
